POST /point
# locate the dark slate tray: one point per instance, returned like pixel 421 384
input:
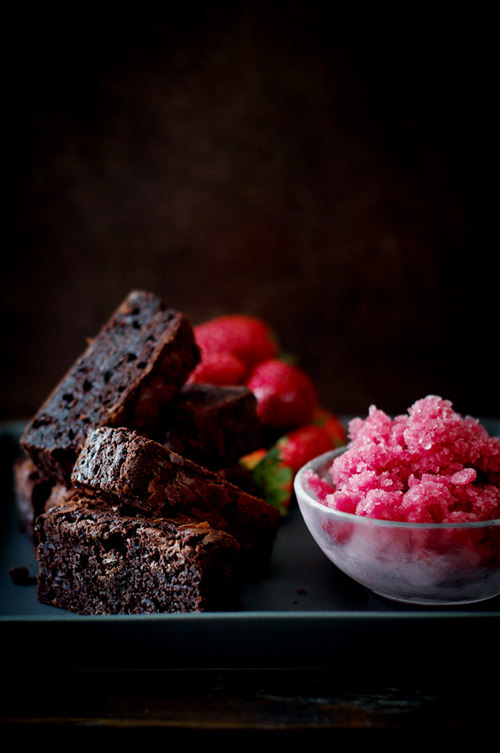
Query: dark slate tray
pixel 302 613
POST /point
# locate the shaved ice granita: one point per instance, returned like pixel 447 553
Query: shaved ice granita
pixel 411 504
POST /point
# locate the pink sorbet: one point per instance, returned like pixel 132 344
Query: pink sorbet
pixel 430 465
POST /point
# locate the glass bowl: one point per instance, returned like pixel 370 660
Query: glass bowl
pixel 415 563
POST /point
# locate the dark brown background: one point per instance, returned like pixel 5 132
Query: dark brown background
pixel 326 172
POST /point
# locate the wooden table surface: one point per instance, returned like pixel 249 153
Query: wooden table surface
pixel 216 704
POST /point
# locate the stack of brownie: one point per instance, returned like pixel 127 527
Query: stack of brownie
pixel 130 484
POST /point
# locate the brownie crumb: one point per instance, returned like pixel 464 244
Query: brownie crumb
pixel 20 576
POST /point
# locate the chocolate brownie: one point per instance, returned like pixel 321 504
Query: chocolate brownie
pixel 31 492
pixel 212 425
pixel 136 363
pixel 123 465
pixel 241 477
pixel 98 559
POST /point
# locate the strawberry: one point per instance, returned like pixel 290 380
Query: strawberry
pixel 251 460
pixel 304 444
pixel 332 424
pixel 246 337
pixel 220 369
pixel 273 478
pixel 286 396
pixel 274 469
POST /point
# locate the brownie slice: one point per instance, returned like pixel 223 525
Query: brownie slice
pixel 135 364
pixel 31 492
pixel 123 465
pixel 97 559
pixel 212 425
pixel 34 494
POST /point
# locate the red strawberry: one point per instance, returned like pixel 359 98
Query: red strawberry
pixel 220 369
pixel 286 396
pixel 247 337
pixel 332 425
pixel 273 470
pixel 304 444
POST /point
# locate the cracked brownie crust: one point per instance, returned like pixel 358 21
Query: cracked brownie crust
pixel 133 367
pixel 98 559
pixel 125 466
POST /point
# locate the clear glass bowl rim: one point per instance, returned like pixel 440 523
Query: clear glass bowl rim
pixel 320 460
